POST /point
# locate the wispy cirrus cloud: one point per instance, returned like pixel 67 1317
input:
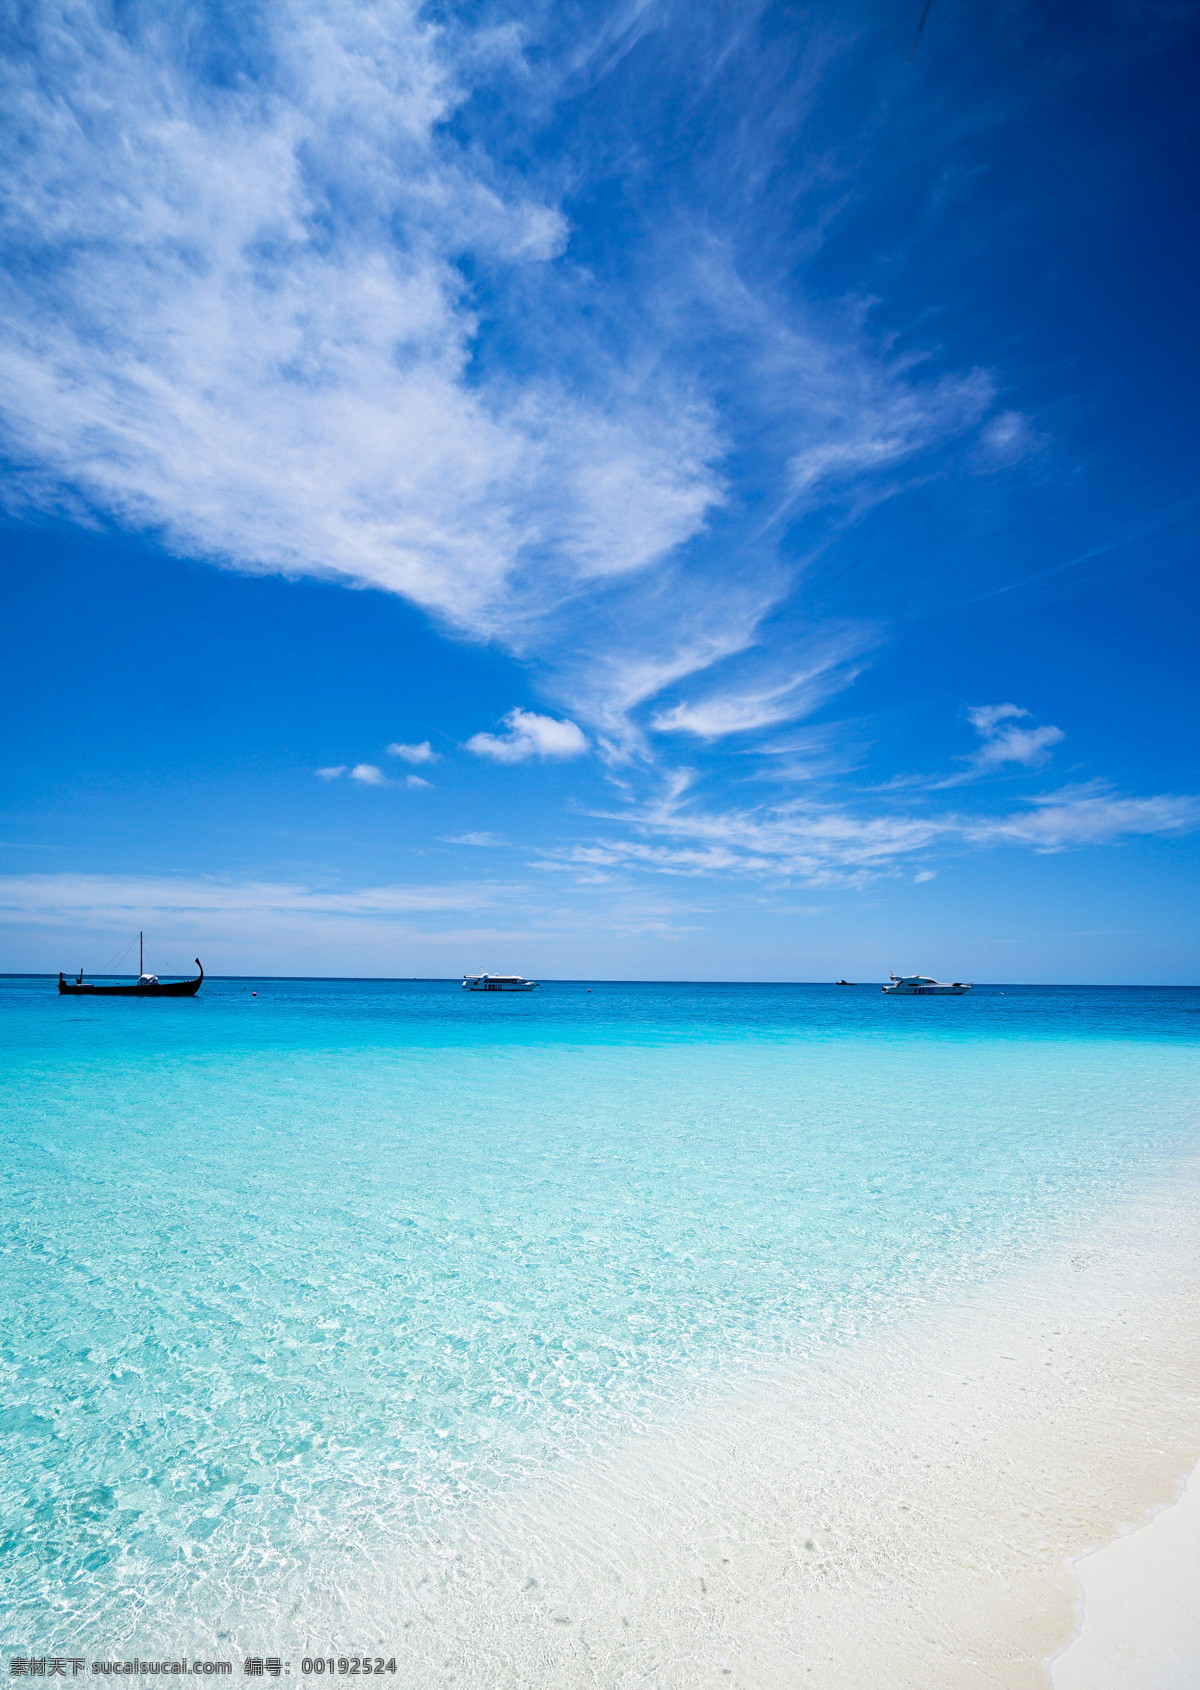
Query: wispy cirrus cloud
pixel 215 333
pixel 114 901
pixel 833 658
pixel 234 317
pixel 890 424
pixel 255 315
pixel 1087 815
pixel 479 837
pixel 825 843
pixel 1005 440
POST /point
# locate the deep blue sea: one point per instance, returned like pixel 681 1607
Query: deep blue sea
pixel 297 1260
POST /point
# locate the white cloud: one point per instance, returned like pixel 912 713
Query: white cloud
pixel 820 844
pixel 1028 747
pixel 423 753
pixel 474 839
pixel 1090 815
pixel 829 665
pixel 529 735
pixel 237 318
pixel 369 774
pixel 890 423
pixel 679 625
pixel 924 875
pixel 844 413
pixel 985 718
pixel 825 844
pixel 1006 439
pixel 1005 743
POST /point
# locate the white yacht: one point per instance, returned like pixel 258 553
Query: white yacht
pixel 921 986
pixel 497 983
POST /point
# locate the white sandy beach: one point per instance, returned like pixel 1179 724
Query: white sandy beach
pixel 906 1514
pixel 1141 1607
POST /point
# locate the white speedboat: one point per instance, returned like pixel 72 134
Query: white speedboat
pixel 497 983
pixel 921 986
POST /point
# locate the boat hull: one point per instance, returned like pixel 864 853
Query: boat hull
pixel 926 991
pixel 530 987
pixel 159 989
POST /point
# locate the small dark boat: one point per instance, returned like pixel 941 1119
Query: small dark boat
pixel 148 985
pixel 843 982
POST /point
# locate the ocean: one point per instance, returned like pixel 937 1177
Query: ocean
pixel 383 1320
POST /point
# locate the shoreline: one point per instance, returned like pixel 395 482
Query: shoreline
pixel 1140 1606
pixel 912 1511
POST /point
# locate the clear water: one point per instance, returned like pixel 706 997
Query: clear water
pixel 317 1265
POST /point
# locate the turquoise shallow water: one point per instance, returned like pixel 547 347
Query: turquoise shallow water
pixel 316 1265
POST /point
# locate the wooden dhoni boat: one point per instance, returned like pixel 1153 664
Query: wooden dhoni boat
pixel 148 985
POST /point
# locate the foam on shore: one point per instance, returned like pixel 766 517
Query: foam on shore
pixel 906 1513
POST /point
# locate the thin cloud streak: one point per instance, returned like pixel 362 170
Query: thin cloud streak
pixel 480 838
pixel 833 661
pixel 244 926
pixel 829 845
pixel 1088 816
pixel 115 900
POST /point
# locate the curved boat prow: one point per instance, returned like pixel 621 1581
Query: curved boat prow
pixel 148 986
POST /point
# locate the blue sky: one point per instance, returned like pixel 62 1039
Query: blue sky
pixel 637 490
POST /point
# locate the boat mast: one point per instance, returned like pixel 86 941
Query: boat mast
pixel 141 960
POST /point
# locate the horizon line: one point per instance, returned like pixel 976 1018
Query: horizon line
pixel 614 980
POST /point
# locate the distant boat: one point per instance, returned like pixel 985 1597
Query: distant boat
pixel 497 983
pixel 921 986
pixel 843 982
pixel 148 985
